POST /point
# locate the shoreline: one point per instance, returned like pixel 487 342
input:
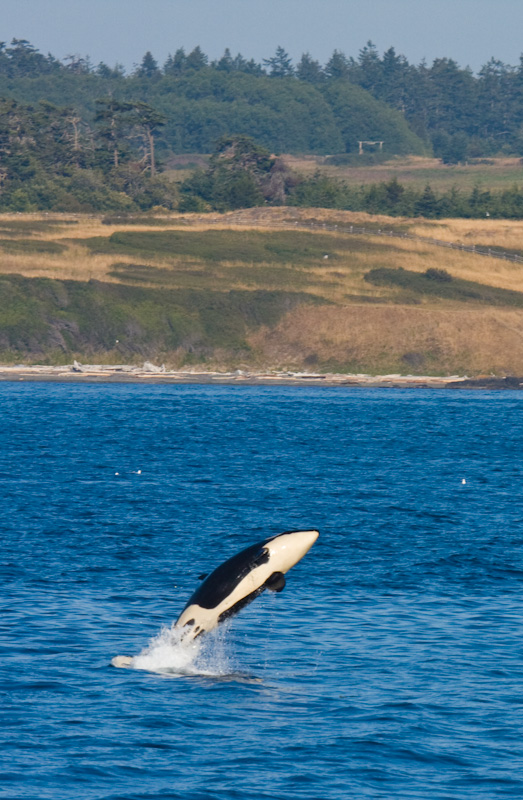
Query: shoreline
pixel 149 373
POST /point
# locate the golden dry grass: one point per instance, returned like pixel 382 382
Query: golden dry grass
pixel 395 339
pixel 505 234
pixel 334 280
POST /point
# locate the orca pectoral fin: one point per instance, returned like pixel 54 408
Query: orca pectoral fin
pixel 245 601
pixel 276 582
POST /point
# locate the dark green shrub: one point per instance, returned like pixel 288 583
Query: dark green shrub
pixel 438 275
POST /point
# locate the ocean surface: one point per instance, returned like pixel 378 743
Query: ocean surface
pixel 391 666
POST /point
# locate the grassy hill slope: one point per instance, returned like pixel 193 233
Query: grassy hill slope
pixel 264 288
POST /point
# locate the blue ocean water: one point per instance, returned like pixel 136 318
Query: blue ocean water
pixel 391 666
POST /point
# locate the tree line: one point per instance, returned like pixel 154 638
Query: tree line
pixel 242 174
pixel 100 138
pixel 51 160
pixel 394 199
pixel 443 107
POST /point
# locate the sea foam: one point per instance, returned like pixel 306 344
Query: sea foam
pixel 168 653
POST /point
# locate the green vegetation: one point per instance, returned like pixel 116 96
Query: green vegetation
pixel 30 246
pixel 49 162
pixel 359 116
pixel 57 320
pixel 293 108
pixel 251 247
pixel 241 174
pixel 20 226
pixel 439 283
pixel 79 138
pixel 395 199
pixel 200 102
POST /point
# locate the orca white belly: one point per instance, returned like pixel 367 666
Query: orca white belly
pixel 238 581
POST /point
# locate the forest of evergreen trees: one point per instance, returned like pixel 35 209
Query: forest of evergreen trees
pixel 75 136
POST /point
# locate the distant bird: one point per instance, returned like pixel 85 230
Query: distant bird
pixel 463 482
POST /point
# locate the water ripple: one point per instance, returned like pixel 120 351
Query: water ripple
pixel 391 665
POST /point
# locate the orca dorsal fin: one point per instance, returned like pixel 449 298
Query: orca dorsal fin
pixel 276 582
pixel 202 576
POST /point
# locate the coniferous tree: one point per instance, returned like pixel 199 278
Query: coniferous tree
pixel 427 205
pixel 280 65
pixel 196 59
pixel 114 122
pixel 309 70
pixel 250 67
pixel 337 67
pixel 370 69
pixel 241 174
pixel 24 60
pixel 395 78
pixel 104 71
pixel 497 99
pixel 78 64
pixel 149 122
pixel 149 67
pixel 176 64
pixel 226 62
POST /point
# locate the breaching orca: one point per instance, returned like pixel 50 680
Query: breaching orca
pixel 238 581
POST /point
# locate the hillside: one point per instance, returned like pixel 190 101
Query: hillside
pixel 265 288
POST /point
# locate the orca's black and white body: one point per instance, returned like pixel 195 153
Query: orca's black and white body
pixel 238 581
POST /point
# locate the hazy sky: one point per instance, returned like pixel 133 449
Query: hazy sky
pixel 470 31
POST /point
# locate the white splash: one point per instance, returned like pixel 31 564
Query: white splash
pixel 167 653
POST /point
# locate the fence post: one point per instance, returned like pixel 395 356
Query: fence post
pixel 514 257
